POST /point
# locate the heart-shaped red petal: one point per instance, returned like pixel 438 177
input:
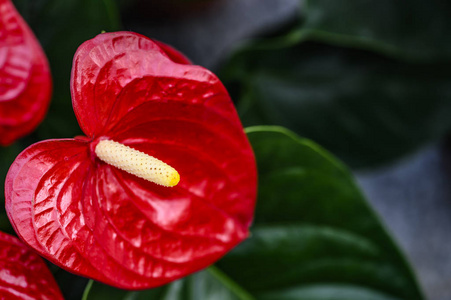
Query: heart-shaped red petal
pixel 23 274
pixel 105 65
pixel 25 82
pixel 103 223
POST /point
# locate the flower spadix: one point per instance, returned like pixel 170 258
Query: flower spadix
pixel 163 184
pixel 137 163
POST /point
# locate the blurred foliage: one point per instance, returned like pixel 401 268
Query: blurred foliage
pixel 367 80
pixel 314 237
pixel 412 30
pixel 7 156
pixel 161 12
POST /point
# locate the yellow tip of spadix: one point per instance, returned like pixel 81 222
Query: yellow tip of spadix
pixel 174 179
pixel 137 163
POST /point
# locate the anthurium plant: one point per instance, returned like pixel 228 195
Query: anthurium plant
pixel 162 185
pixel 162 194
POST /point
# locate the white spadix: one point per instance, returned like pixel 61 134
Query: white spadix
pixel 137 163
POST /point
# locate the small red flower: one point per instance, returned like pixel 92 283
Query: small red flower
pixel 23 274
pixel 25 82
pixel 92 206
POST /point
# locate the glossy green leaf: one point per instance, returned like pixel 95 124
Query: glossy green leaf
pixel 313 231
pixel 408 29
pixel 329 292
pixel 314 237
pixel 61 26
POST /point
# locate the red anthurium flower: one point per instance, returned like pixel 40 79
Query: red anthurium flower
pixel 23 274
pixel 25 82
pixel 163 185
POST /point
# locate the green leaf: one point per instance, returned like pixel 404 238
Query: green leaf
pixel 329 292
pixel 62 26
pixel 408 29
pixel 314 232
pixel 367 109
pixel 314 237
pixel 204 285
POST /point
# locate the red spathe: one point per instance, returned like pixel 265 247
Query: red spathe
pixel 25 81
pixel 23 274
pixel 97 221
